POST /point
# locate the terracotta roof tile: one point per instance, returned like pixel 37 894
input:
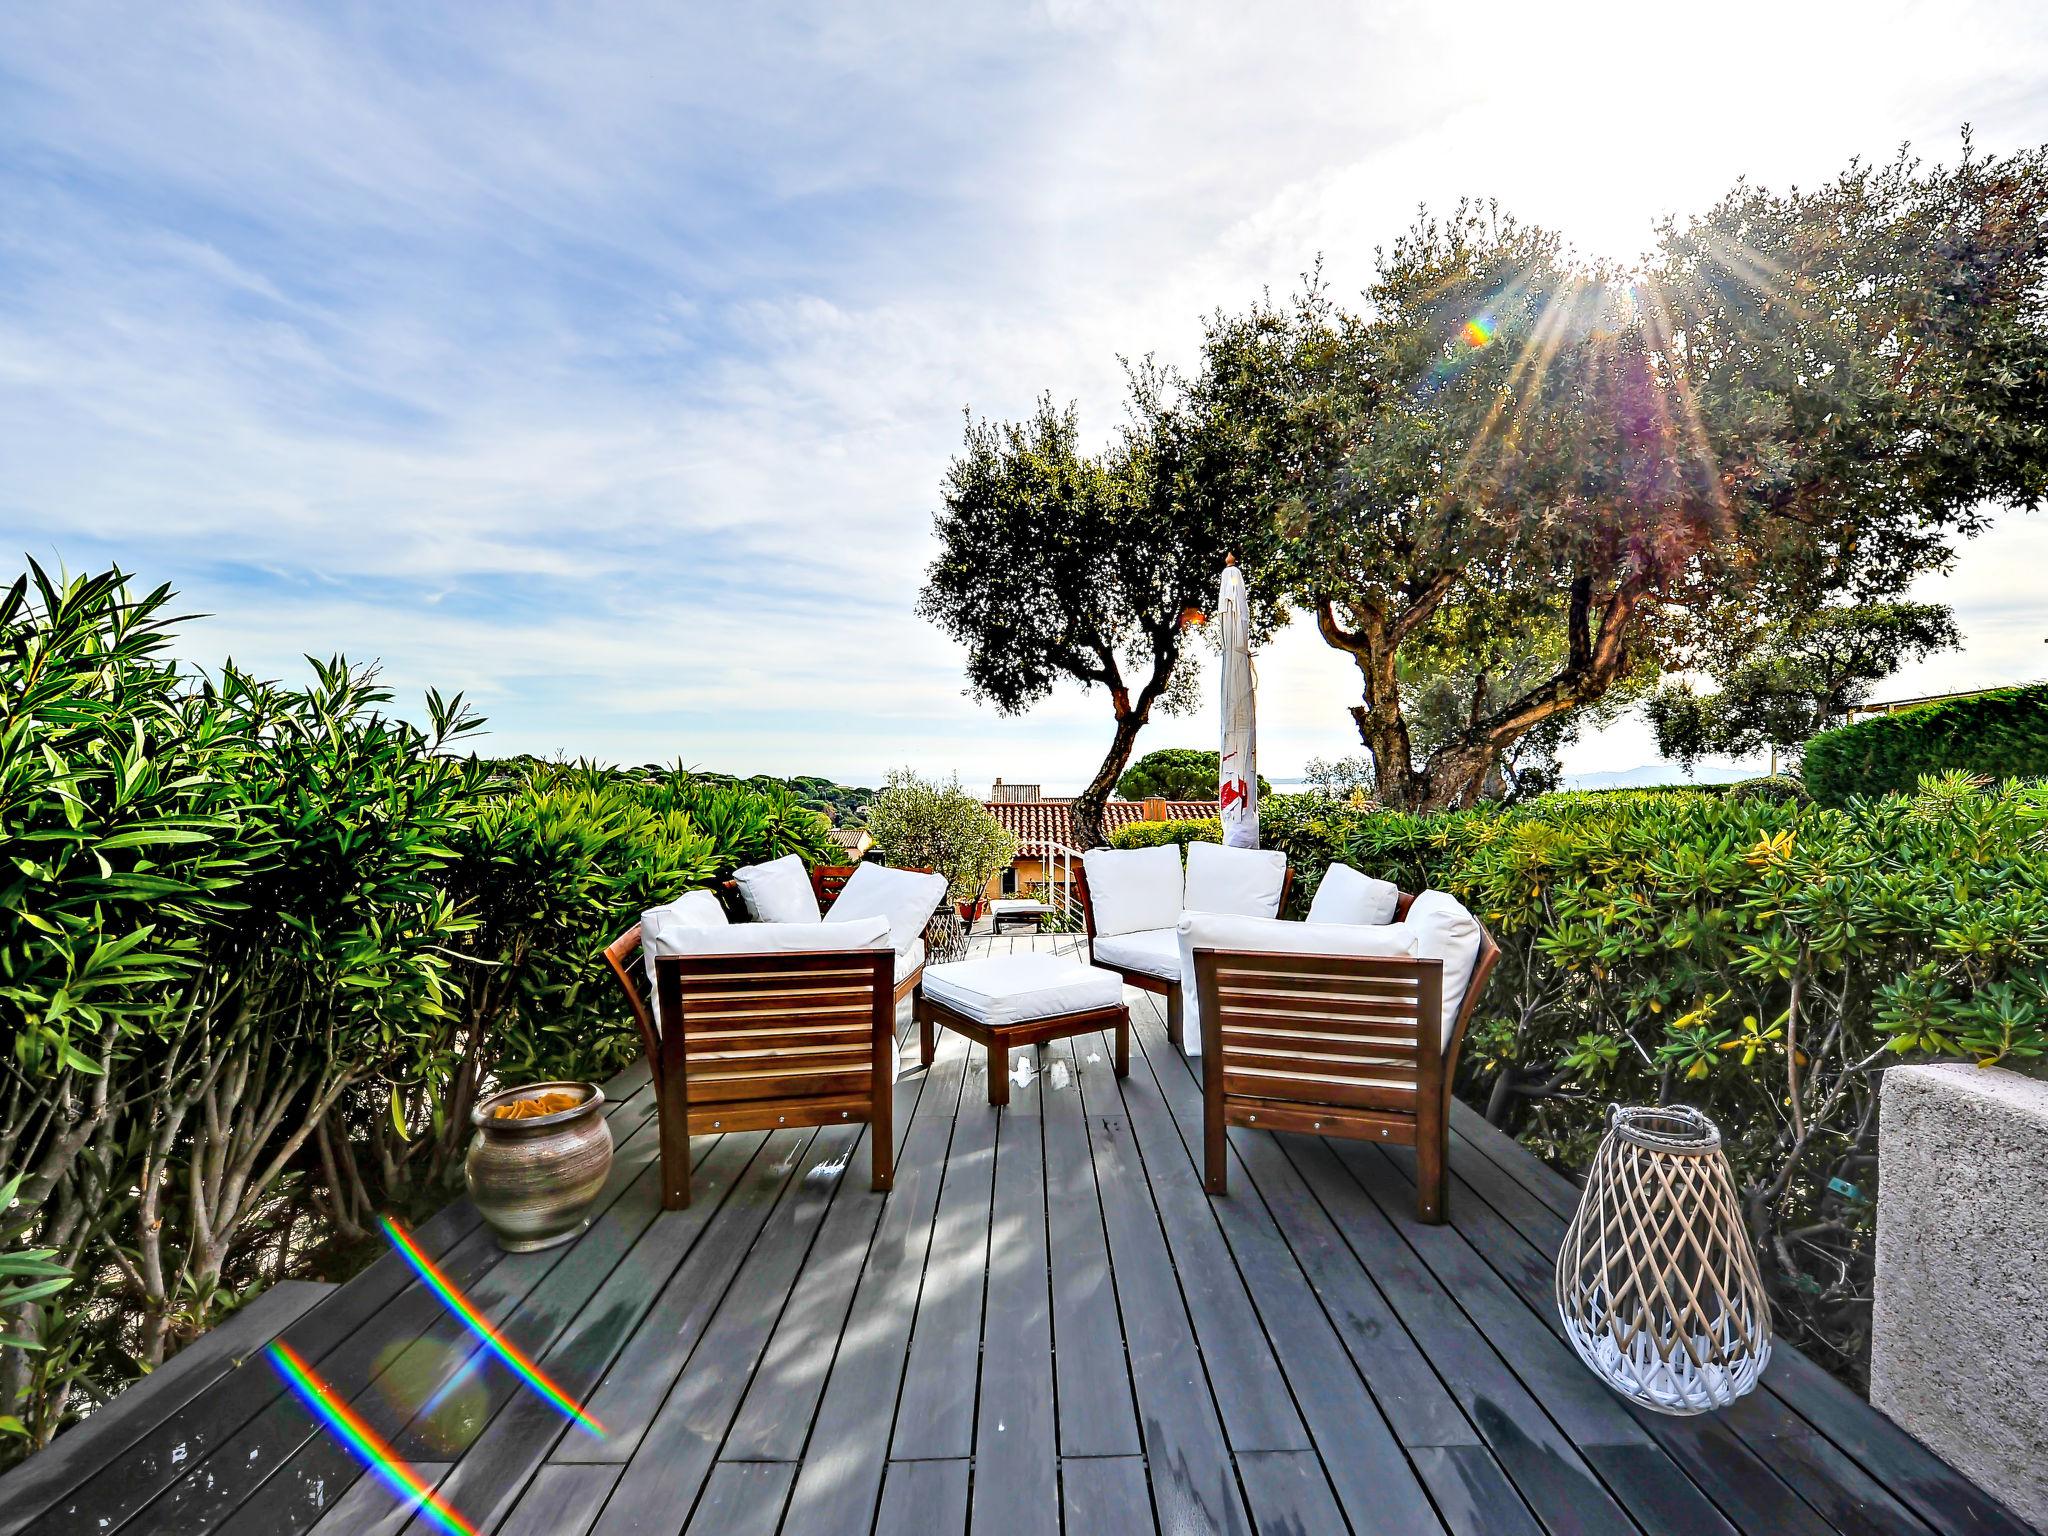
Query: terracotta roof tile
pixel 1052 821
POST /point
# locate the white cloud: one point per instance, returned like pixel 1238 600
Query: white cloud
pixel 605 362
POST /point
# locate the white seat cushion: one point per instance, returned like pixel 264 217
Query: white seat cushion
pixel 908 960
pixel 1203 930
pixel 1245 882
pixel 1133 890
pixel 1445 931
pixel 1156 952
pixel 905 897
pixel 662 934
pixel 1019 989
pixel 778 891
pixel 1347 896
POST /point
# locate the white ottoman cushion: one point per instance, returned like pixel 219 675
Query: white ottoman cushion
pixel 1346 896
pixel 1156 952
pixel 778 891
pixel 1244 882
pixel 1132 890
pixel 1020 989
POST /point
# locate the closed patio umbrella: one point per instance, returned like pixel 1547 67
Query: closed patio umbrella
pixel 1237 789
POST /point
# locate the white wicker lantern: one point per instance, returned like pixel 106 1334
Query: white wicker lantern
pixel 1656 1281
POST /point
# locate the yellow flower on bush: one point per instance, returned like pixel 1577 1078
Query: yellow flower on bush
pixel 1771 850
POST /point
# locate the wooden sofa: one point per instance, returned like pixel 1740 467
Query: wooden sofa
pixel 767 1041
pixel 1333 1046
pixel 1145 981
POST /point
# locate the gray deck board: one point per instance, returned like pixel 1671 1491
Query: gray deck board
pixel 1046 1329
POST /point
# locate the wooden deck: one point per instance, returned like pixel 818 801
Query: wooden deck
pixel 1047 1327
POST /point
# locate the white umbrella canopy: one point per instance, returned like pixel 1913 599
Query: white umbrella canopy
pixel 1237 788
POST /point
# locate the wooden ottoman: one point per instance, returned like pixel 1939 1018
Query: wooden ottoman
pixel 1011 1000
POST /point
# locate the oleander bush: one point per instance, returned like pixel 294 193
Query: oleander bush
pixel 261 947
pixel 2000 735
pixel 1762 958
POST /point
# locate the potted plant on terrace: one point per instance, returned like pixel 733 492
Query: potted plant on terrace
pixel 933 824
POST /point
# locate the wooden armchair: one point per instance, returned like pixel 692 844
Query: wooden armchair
pixel 1167 987
pixel 759 1041
pixel 1333 1046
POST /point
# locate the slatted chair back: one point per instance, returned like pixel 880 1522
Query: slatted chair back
pixel 828 879
pixel 1346 1032
pixel 1330 1045
pixel 753 1042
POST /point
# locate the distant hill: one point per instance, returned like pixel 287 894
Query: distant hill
pixel 845 804
pixel 1657 774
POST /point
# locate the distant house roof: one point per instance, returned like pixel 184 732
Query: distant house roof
pixel 1052 821
pixel 855 840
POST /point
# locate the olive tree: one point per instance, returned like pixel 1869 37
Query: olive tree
pixel 1797 679
pixel 1057 565
pixel 933 824
pixel 1798 398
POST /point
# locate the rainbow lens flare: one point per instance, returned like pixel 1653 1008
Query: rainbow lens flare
pixel 1478 331
pixel 363 1442
pixel 525 1369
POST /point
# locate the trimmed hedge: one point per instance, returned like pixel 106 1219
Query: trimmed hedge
pixel 2001 735
pixel 1155 834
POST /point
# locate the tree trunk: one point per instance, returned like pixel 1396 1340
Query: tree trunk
pixel 1089 831
pixel 1597 628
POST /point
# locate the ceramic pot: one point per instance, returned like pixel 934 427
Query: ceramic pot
pixel 533 1180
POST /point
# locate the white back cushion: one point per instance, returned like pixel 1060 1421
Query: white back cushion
pixel 1130 889
pixel 1205 930
pixel 1346 896
pixel 1244 882
pixel 778 892
pixel 905 897
pixel 1445 931
pixel 692 909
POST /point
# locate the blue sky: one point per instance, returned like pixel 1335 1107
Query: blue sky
pixel 603 360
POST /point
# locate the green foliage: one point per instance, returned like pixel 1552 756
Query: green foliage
pixel 844 805
pixel 1779 687
pixel 260 947
pixel 926 824
pixel 1513 482
pixel 1767 787
pixel 1759 957
pixel 1060 565
pixel 1176 773
pixel 1996 735
pixel 26 1274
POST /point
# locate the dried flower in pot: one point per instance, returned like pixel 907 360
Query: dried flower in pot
pixel 541 1153
pixel 1657 1284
